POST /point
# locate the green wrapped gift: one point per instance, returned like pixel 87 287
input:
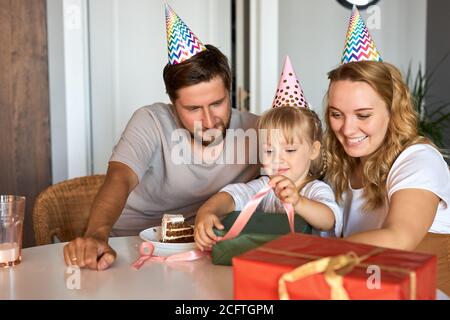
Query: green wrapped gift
pixel 261 228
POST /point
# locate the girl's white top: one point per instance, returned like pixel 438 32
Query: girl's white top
pixel 315 190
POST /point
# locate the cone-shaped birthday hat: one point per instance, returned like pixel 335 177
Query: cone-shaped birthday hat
pixel 289 92
pixel 181 41
pixel 359 44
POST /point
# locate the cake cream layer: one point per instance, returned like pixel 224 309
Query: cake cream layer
pixel 180 240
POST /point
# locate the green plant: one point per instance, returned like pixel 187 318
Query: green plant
pixel 434 117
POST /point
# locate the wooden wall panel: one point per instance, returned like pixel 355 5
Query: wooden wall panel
pixel 25 154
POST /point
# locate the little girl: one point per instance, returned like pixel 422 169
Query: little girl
pixel 292 158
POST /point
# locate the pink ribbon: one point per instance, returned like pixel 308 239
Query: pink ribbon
pixel 146 249
pixel 248 211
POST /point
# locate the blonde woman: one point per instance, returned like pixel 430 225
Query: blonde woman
pixel 394 185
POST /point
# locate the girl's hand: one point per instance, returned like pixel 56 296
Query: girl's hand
pixel 285 189
pixel 203 232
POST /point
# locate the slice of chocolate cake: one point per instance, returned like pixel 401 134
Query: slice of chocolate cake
pixel 175 230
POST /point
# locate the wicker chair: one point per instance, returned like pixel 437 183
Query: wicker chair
pixel 62 210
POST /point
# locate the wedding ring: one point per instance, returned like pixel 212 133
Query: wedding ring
pixel 74 259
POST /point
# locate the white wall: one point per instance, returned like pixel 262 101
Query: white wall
pixel 69 88
pixel 105 61
pixel 127 46
pixel 264 41
pixel 128 53
pixel 55 28
pixel 313 34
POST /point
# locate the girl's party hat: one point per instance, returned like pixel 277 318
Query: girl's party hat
pixel 289 91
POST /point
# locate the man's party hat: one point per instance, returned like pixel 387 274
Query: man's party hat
pixel 181 41
pixel 289 91
pixel 359 44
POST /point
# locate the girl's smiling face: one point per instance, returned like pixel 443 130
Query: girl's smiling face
pixel 291 160
pixel 358 116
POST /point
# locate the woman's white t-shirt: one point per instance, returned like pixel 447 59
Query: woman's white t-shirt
pixel 418 167
pixel 315 190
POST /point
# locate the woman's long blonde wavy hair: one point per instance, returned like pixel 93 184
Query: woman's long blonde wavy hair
pixel 299 122
pixel 402 132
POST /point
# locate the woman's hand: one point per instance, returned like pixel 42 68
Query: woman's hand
pixel 285 189
pixel 203 232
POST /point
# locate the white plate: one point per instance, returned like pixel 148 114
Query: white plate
pixel 164 249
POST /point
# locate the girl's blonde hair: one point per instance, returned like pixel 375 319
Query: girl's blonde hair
pixel 301 123
pixel 402 132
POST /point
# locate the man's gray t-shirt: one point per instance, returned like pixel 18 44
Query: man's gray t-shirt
pixel 165 185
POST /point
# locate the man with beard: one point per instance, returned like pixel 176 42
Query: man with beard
pixel 144 180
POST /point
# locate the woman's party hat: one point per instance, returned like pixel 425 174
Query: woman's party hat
pixel 181 41
pixel 359 44
pixel 289 91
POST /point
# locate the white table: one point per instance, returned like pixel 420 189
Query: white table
pixel 42 274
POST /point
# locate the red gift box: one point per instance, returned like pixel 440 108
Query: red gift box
pixel 298 266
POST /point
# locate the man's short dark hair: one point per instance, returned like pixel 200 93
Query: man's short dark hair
pixel 202 67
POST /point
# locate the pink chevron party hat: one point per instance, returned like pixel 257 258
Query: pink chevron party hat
pixel 182 43
pixel 359 44
pixel 289 92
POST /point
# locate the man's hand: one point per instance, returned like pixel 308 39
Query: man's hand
pixel 285 189
pixel 89 252
pixel 92 250
pixel 203 232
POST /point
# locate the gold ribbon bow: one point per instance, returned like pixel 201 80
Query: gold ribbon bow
pixel 334 269
pixel 342 264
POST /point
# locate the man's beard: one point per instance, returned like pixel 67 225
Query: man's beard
pixel 214 139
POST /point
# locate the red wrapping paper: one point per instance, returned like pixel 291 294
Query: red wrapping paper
pixel 256 273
